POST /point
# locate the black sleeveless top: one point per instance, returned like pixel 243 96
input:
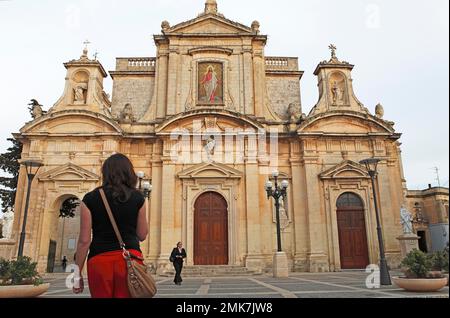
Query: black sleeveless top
pixel 126 215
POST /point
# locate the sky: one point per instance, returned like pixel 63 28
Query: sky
pixel 400 50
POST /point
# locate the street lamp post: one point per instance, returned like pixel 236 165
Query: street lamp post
pixel 32 168
pixel 280 260
pixel 144 186
pixel 372 165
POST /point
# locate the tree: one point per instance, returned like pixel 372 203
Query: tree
pixel 9 163
pixel 68 208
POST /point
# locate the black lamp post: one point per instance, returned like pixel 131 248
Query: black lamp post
pixel 32 168
pixel 144 186
pixel 372 166
pixel 277 193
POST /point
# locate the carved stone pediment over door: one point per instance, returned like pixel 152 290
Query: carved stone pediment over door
pixel 69 172
pixel 345 170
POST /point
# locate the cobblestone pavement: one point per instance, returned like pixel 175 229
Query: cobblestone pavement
pixel 298 285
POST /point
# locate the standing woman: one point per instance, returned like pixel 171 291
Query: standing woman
pixel 177 258
pixel 106 266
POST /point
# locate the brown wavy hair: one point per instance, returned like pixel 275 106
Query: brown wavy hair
pixel 119 177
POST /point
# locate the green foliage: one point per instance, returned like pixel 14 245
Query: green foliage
pixel 68 208
pixel 20 272
pixel 9 163
pixel 417 264
pixel 439 260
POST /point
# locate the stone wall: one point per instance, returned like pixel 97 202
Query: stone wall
pixel 134 90
pixel 282 91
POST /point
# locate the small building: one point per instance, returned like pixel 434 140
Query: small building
pixel 430 211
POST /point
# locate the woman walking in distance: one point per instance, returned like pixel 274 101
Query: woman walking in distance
pixel 106 266
pixel 177 258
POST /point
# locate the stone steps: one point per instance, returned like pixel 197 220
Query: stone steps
pixel 215 271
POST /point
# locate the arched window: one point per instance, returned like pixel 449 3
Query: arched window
pixel 350 200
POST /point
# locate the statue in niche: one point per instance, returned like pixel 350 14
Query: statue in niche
pixel 36 109
pixel 80 98
pixel 7 224
pixel 338 92
pixel 127 116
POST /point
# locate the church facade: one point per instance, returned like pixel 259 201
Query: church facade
pixel 208 120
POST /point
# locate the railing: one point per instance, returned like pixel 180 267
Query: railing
pixel 148 64
pixel 138 64
pixel 281 64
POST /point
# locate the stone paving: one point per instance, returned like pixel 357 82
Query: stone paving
pixel 298 285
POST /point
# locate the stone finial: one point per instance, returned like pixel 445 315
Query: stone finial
pixel 211 7
pixel 294 113
pixel 165 25
pixel 379 111
pixel 255 27
pixel 127 115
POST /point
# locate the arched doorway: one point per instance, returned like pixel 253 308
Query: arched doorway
pixel 64 232
pixel 211 230
pixel 352 232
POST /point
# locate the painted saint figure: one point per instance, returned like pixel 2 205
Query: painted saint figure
pixel 211 83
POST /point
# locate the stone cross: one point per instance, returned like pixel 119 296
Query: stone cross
pixel 333 49
pixel 86 43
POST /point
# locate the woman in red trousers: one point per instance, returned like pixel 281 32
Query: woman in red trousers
pixel 106 266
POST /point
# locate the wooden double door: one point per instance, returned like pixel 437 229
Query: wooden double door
pixel 352 232
pixel 211 230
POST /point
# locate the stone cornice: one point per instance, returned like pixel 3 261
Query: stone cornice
pixel 327 65
pixel 210 49
pixel 131 73
pixel 86 63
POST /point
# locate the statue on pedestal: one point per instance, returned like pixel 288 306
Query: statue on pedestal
pixel 7 223
pixel 406 221
pixel 210 147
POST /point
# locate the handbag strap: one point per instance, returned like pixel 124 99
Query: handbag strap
pixel 111 218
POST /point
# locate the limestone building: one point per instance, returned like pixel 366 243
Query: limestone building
pixel 208 120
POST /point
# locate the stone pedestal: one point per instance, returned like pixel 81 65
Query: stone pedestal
pixel 280 265
pixel 6 248
pixel 408 242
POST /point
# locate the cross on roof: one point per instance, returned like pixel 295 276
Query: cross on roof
pixel 86 43
pixel 333 49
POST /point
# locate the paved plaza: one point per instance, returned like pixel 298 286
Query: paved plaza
pixel 298 285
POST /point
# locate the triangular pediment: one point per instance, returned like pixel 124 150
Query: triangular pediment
pixel 209 24
pixel 346 170
pixel 210 171
pixel 69 172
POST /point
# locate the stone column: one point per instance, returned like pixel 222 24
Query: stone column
pixel 259 83
pixel 155 206
pixel 172 87
pixel 300 219
pixel 317 258
pixel 167 215
pixel 161 75
pixel 254 259
pixel 249 107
